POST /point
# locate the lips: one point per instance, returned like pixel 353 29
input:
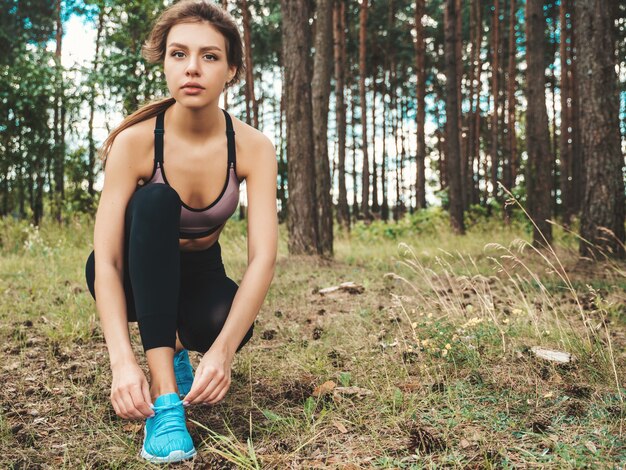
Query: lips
pixel 193 85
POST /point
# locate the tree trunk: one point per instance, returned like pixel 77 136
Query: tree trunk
pixel 495 89
pixel 355 181
pixel 458 53
pixel 375 204
pixel 539 167
pixel 453 157
pixel 578 169
pixel 365 177
pixel 510 162
pixel 252 107
pixel 602 219
pixel 92 110
pixel 282 160
pixel 566 133
pixel 321 94
pixel 302 212
pixel 225 94
pixel 420 115
pixel 59 122
pixel 478 38
pixel 339 11
pixel 384 213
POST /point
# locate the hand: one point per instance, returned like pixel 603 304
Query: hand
pixel 212 378
pixel 130 393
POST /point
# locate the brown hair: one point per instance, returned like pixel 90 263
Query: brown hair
pixel 184 11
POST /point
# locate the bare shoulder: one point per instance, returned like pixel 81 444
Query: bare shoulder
pixel 135 145
pixel 253 148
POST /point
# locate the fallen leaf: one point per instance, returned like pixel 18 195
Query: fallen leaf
pixel 341 427
pixel 132 427
pixel 324 388
pixel 410 386
pixel 591 446
pixel 552 355
pixel 353 391
pixel 464 443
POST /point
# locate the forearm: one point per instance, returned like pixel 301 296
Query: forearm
pixel 246 304
pixel 111 305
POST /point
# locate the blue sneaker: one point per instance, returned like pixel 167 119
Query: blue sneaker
pixel 183 372
pixel 166 437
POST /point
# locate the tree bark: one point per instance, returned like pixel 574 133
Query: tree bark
pixel 302 212
pixel 420 115
pixel 339 11
pixel 565 140
pixel 495 90
pixel 384 213
pixel 365 177
pixel 478 38
pixel 252 106
pixel 539 167
pixel 453 157
pixel 510 162
pixel 92 109
pixel 375 203
pixel 59 123
pixel 321 94
pixel 225 94
pixel 602 219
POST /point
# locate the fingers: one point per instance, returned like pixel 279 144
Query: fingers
pixel 139 402
pixel 131 403
pixel 200 381
pixel 219 394
pixel 207 384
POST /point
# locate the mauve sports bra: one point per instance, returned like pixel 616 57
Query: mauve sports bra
pixel 196 223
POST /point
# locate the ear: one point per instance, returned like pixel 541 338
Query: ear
pixel 232 71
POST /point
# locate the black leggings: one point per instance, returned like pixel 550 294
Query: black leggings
pixel 168 290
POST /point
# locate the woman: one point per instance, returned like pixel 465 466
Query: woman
pixel 172 175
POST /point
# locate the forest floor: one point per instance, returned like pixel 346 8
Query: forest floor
pixel 425 363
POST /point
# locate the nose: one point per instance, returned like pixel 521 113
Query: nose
pixel 192 66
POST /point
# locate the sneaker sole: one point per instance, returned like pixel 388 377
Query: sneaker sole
pixel 174 456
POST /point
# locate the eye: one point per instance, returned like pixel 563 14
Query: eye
pixel 211 56
pixel 177 52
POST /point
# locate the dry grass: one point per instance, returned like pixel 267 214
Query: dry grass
pixel 431 364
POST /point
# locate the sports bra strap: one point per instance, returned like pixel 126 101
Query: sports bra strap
pixel 159 130
pixel 158 138
pixel 230 135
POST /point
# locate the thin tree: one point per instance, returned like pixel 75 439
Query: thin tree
pixel 321 92
pixel 59 122
pixel 302 213
pixel 495 90
pixel 225 94
pixel 539 167
pixel 511 159
pixel 92 106
pixel 453 154
pixel 365 176
pixel 602 219
pixel 339 13
pixel 252 107
pixel 420 115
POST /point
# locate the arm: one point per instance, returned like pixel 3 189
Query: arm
pixel 213 374
pixel 129 391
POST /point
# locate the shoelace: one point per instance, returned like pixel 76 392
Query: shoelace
pixel 167 422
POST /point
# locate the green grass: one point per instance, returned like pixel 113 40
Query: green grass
pixel 431 363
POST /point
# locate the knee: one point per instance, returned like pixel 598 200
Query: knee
pixel 155 201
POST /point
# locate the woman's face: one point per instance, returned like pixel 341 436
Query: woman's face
pixel 195 64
